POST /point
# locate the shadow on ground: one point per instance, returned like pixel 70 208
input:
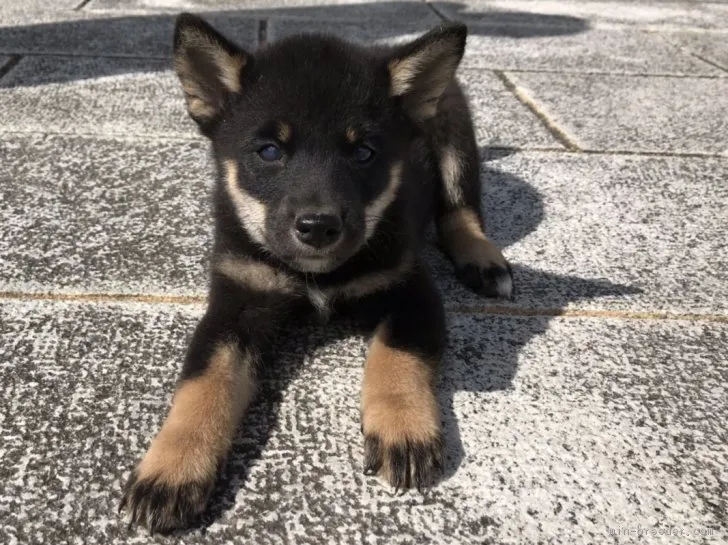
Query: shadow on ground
pixel 483 358
pixel 150 35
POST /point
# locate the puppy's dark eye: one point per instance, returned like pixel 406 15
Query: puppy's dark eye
pixel 363 154
pixel 270 152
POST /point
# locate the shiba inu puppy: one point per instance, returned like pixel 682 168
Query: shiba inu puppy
pixel 332 159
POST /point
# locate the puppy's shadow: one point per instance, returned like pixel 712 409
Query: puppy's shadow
pixel 483 349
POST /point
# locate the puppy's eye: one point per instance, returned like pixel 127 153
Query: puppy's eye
pixel 363 154
pixel 270 152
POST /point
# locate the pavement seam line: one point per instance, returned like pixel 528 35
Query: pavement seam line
pixel 485 309
pixel 435 10
pixel 575 313
pixel 9 65
pixel 82 5
pixel 708 61
pixel 608 153
pixel 556 131
pixel 468 68
pixel 262 33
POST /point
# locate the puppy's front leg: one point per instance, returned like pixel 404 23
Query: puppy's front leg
pixel 170 487
pixel 400 413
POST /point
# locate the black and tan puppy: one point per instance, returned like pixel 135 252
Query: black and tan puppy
pixel 332 159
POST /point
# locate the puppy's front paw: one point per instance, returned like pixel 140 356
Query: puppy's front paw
pixel 402 444
pixel 487 279
pixel 479 263
pixel 163 507
pixel 170 487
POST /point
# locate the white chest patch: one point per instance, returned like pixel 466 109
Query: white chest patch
pixel 321 302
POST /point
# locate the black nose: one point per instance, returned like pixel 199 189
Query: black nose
pixel 318 230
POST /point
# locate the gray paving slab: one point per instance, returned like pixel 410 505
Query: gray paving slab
pixel 95 214
pixel 142 97
pixel 712 47
pixel 500 119
pixel 94 95
pixel 607 232
pixel 622 51
pixel 351 10
pixel 36 6
pixel 575 14
pixel 112 34
pixel 592 232
pixel 557 430
pixel 607 112
pixel 356 31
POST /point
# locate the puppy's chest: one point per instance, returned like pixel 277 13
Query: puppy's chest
pixel 321 301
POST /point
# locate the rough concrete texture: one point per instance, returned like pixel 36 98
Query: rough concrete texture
pixel 625 51
pixel 539 449
pixel 590 409
pixel 669 115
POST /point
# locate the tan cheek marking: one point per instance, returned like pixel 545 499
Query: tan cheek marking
pixel 374 211
pixel 465 241
pixel 251 212
pixel 198 432
pixel 351 135
pixel 256 275
pixel 398 400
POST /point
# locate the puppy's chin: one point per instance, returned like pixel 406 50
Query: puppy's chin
pixel 320 265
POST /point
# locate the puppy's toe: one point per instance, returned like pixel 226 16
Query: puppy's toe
pixel 404 464
pixel 490 280
pixel 162 507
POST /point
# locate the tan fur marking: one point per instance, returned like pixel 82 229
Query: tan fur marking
pixel 285 131
pixel 465 242
pixel 351 135
pixel 367 284
pixel 451 170
pixel 398 400
pixel 405 72
pixel 231 66
pixel 251 212
pixel 374 211
pixel 198 432
pixel 256 275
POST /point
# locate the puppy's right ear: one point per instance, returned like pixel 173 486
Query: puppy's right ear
pixel 209 66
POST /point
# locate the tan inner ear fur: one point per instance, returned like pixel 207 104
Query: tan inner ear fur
pixel 423 76
pixel 229 68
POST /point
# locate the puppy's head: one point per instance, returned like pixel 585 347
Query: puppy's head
pixel 311 134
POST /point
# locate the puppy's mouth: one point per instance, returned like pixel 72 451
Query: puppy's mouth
pixel 322 261
pixel 315 264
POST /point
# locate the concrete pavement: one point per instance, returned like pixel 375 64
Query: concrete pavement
pixel 591 409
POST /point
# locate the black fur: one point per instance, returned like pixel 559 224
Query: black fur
pixel 307 96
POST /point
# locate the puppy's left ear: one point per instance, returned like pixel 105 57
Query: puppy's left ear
pixel 209 67
pixel 421 70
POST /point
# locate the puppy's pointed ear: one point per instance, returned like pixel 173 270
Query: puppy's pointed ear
pixel 421 70
pixel 208 65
